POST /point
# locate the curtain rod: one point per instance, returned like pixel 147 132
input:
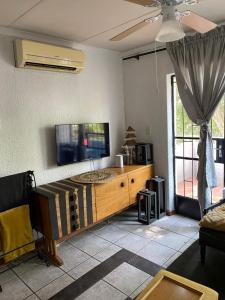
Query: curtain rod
pixel 138 55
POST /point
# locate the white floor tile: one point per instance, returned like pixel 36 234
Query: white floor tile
pixel 141 288
pixel 71 256
pixel 111 233
pixel 187 245
pixel 14 289
pixel 7 276
pixel 171 259
pixel 32 297
pixel 80 237
pixel 167 238
pixel 54 287
pixel 126 278
pixel 150 231
pixel 102 291
pixel 129 226
pixel 90 243
pixel 165 220
pixel 28 265
pixel 107 253
pixel 156 253
pixel 153 242
pixel 40 276
pixel 182 219
pixel 98 226
pixel 196 236
pixel 184 228
pixel 132 242
pixel 83 268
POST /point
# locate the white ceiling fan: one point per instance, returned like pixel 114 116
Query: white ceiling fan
pixel 172 19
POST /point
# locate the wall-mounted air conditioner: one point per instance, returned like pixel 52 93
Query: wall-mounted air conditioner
pixel 35 55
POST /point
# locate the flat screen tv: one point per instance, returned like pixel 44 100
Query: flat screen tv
pixel 81 142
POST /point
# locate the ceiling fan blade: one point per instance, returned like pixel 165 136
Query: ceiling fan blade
pixel 143 2
pixel 128 31
pixel 198 23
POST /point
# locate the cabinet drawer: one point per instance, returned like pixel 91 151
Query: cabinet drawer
pixel 111 197
pixel 137 181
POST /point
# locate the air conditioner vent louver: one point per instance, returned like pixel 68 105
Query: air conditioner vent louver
pixel 35 55
pixel 47 66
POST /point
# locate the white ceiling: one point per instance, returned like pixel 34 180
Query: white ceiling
pixel 93 22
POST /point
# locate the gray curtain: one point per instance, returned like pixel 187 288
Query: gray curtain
pixel 199 64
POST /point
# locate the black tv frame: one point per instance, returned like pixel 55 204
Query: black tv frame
pixel 90 158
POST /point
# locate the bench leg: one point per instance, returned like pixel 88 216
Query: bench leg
pixel 203 253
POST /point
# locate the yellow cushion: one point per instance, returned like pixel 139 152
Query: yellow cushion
pixel 214 219
pixel 16 232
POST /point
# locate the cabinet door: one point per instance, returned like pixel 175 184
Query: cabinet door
pixel 111 197
pixel 137 181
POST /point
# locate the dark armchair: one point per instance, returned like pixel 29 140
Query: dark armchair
pixel 211 238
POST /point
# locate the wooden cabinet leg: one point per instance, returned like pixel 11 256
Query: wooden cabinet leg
pixel 55 259
pixel 49 251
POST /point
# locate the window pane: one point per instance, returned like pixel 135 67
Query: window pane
pixel 178 109
pixel 186 178
pixel 195 182
pixel 187 145
pixel 179 147
pixel 186 148
pixel 217 123
pixel 182 123
pixel 179 177
pixel 217 192
pixel 187 124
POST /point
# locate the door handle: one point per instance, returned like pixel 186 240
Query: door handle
pixel 220 151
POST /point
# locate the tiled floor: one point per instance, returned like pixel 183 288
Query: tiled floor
pixel 161 242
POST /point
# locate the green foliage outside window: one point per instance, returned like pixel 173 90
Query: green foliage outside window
pixel 184 125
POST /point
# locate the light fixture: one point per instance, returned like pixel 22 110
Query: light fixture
pixel 170 31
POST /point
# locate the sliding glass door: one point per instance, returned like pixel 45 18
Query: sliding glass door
pixel 186 138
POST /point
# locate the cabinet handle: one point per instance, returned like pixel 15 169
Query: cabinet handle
pixel 132 180
pixel 122 184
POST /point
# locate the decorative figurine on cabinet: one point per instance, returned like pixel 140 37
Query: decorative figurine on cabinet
pixel 129 146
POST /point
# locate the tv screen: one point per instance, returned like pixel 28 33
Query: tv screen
pixel 80 142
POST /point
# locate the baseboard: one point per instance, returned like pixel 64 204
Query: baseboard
pixel 170 212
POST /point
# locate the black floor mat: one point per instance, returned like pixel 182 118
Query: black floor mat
pixel 212 274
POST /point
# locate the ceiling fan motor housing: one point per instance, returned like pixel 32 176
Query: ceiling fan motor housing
pixel 169 12
pixel 177 2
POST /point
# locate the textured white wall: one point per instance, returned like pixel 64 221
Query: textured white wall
pixel 32 102
pixel 149 112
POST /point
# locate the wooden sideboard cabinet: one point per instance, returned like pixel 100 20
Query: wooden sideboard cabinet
pixel 111 197
pixel 121 192
pixel 137 181
pixel 65 208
